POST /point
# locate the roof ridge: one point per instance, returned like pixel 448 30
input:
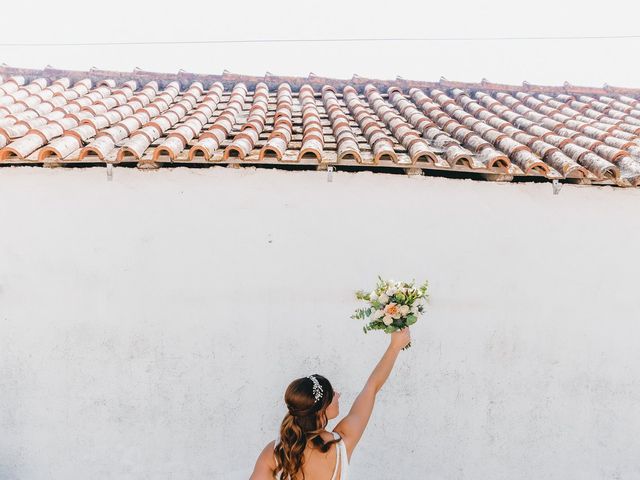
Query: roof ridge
pixel 229 79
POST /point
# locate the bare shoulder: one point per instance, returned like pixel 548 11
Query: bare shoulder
pixel 266 463
pixel 267 454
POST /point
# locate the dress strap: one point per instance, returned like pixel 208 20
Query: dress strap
pixel 338 451
pixel 344 464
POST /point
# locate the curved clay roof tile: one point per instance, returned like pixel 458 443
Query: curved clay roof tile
pixel 381 144
pixel 133 85
pixel 210 140
pixel 59 148
pixel 347 144
pixel 244 141
pixel 281 134
pixel 85 83
pixel 107 82
pixel 153 85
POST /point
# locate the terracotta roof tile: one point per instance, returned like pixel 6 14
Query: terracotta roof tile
pixel 282 130
pixel 210 140
pixel 452 151
pixel 188 128
pixel 568 133
pixel 346 142
pixel 417 147
pixel 461 126
pixel 244 141
pixel 381 143
pixel 312 135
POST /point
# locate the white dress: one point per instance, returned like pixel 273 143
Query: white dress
pixel 341 458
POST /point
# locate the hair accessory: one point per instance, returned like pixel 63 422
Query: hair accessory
pixel 317 388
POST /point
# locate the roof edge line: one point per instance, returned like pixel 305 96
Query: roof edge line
pixel 229 79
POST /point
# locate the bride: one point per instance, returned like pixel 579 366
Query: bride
pixel 303 448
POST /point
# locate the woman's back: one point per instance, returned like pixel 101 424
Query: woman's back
pixel 332 465
pixel 311 402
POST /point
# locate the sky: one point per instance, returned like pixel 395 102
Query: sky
pixel 592 62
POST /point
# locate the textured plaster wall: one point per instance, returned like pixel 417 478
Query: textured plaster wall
pixel 149 325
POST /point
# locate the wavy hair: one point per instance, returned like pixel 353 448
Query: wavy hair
pixel 304 422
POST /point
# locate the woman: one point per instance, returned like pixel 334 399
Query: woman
pixel 304 449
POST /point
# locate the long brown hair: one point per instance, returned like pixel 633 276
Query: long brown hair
pixel 304 422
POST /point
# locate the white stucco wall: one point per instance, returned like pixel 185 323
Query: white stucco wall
pixel 149 325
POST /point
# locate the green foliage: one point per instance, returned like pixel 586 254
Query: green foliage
pixel 406 296
pixel 360 313
pixel 362 295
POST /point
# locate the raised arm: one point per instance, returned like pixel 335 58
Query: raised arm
pixel 353 425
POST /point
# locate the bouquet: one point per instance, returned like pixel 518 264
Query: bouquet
pixel 392 305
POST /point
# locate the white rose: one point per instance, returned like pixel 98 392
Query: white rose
pixel 404 309
pixel 377 314
pixel 387 320
pixel 373 296
pixel 383 299
pixel 391 291
pixel 414 310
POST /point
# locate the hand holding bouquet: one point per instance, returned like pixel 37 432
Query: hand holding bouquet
pixel 392 305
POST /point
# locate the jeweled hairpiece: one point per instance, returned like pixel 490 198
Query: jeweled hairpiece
pixel 317 388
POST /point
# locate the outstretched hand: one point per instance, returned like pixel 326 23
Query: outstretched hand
pixel 401 338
